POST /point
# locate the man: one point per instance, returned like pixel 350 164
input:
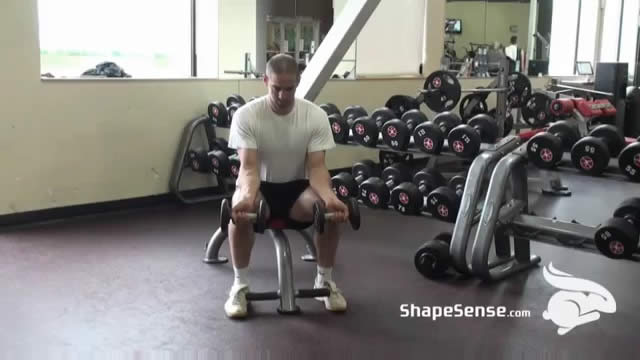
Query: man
pixel 281 141
pixel 512 50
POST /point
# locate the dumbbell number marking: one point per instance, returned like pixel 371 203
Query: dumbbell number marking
pixel 422 132
pixel 534 147
pixel 630 170
pixel 395 143
pixel 590 149
pixel 401 208
pixel 466 139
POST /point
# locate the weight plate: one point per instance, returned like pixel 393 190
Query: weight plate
pixel 406 199
pixel 382 115
pixel 235 99
pixel 629 161
pixel 413 118
pixel 344 185
pixel 629 207
pixel 339 129
pixel 396 134
pixel 617 238
pixel 353 112
pixel 519 90
pixel 400 104
pixel 428 137
pixel 447 121
pixel 443 204
pixel 432 259
pixel 428 180
pixel 374 193
pixel 590 155
pixel 467 112
pixel 442 91
pixel 488 127
pixel 537 110
pixel 566 132
pixel 464 141
pixel 545 150
pixel 611 137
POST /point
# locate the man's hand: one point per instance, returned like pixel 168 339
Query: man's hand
pixel 243 206
pixel 333 204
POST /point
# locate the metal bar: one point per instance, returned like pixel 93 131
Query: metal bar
pixel 620 30
pixel 355 15
pixel 556 227
pixel 285 271
pixel 585 90
pixel 194 56
pixel 575 54
pixel 212 249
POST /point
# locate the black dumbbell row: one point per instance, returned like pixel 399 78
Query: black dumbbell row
pixel 397 188
pixel 618 237
pixel 221 160
pixel 221 114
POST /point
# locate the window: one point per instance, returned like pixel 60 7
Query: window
pixel 610 31
pixel 146 38
pixel 563 37
pixel 587 37
pixel 629 35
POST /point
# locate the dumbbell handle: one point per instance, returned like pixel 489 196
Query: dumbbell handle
pixel 359 179
pixel 390 183
pixel 443 128
pixel 422 187
pixel 633 220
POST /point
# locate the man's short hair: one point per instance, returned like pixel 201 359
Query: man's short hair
pixel 514 40
pixel 282 64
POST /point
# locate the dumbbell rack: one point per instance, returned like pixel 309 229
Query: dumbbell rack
pixel 180 163
pixel 503 219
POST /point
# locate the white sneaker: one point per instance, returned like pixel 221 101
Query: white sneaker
pixel 335 301
pixel 236 305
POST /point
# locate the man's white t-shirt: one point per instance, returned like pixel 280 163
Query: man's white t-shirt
pixel 282 142
pixel 512 52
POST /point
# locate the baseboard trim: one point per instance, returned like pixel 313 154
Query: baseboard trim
pixel 62 213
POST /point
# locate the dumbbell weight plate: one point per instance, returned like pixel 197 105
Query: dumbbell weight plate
pixel 220 164
pixel 447 121
pixel 234 160
pixel 352 113
pixel 396 173
pixel 428 180
pixel 199 160
pixel 382 115
pixel 617 238
pixel 225 216
pixel 447 91
pixel 406 199
pixel 567 133
pixel 464 141
pixel 433 258
pixel 400 104
pixel 374 193
pixel 544 150
pixel 508 121
pixel 615 142
pixel 443 203
pixel 413 118
pixel 218 113
pixel 344 185
pixel 330 109
pixel 629 207
pixel 231 111
pixel 457 182
pixel 488 125
pixel 365 132
pixel 480 108
pixel 365 168
pixel 629 161
pixel 519 90
pixel 235 99
pixel 428 138
pixel 537 110
pixel 339 129
pixel 590 155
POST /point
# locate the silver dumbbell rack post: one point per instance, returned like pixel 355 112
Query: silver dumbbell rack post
pixel 468 214
pixel 503 219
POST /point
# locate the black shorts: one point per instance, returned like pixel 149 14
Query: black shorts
pixel 281 197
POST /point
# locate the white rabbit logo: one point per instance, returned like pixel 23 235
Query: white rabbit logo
pixel 579 302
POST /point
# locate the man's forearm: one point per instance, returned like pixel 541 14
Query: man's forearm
pixel 320 182
pixel 248 183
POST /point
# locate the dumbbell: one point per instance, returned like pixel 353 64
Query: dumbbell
pixel 400 104
pixel 366 130
pixel 408 198
pixel 330 109
pixel 259 218
pixel 375 192
pixel 629 161
pixel 218 113
pixel 234 102
pixel 545 149
pixel 198 160
pixel 465 140
pixel 397 133
pixel 341 125
pixel 480 107
pixel 429 136
pixel 346 185
pixel 234 163
pixel 220 164
pixel 321 216
pixel 508 121
pixel 592 153
pixel 444 202
pixel 617 238
pixel 433 258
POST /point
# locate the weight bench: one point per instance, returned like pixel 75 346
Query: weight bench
pixel 286 293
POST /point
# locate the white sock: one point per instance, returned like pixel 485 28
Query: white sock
pixel 241 276
pixel 324 274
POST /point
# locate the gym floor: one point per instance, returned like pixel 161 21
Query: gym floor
pixel 134 281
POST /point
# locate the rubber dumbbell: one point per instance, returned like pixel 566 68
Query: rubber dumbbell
pixel 217 112
pixel 592 153
pixel 397 133
pixel 234 163
pixel 347 185
pixel 433 258
pixel 259 218
pixel 400 104
pixel 234 102
pixel 330 109
pixel 508 121
pixel 198 160
pixel 220 164
pixel 321 216
pixel 465 140
pixel 375 192
pixel 429 137
pixel 617 238
pixel 629 161
pixel 444 202
pixel 545 149
pixel 366 130
pixel 409 198
pixel 341 126
pixel 466 112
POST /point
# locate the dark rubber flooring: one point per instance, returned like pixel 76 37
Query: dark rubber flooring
pixel 134 283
